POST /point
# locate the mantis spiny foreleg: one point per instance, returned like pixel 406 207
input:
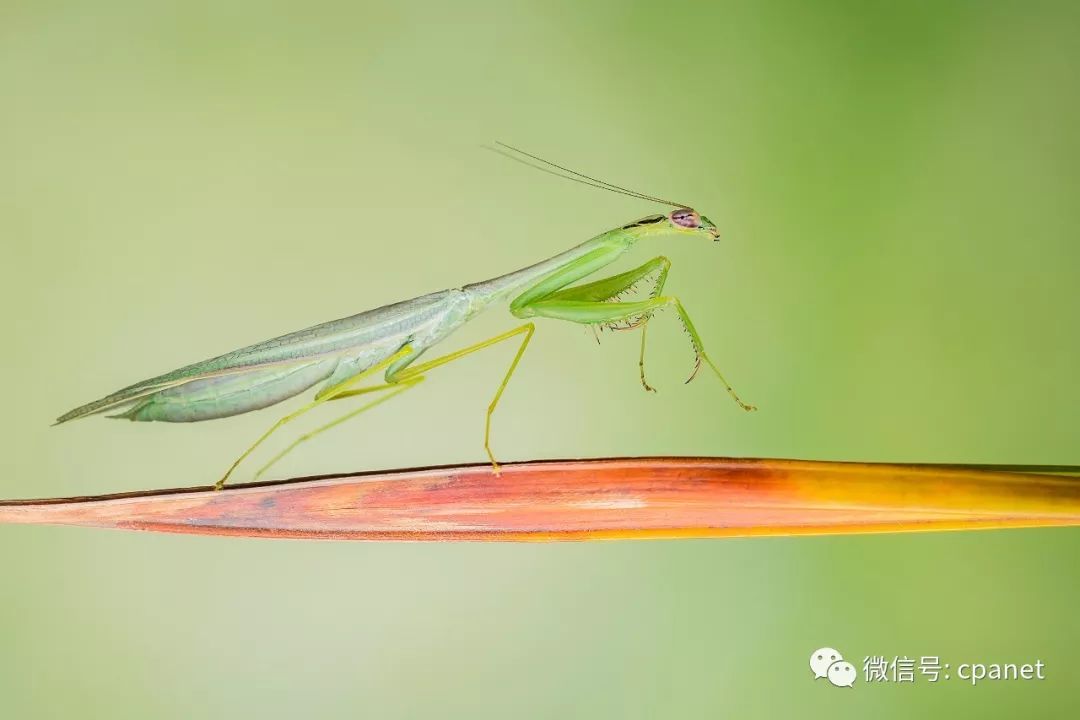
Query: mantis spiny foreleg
pixel 617 286
pixel 588 312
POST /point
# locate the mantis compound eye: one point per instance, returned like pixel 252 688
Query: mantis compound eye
pixel 686 218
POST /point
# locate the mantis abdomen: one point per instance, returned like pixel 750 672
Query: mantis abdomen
pixel 225 395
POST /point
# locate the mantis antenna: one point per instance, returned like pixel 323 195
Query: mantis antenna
pixel 518 155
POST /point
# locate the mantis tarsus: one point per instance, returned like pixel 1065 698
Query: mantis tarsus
pixel 342 353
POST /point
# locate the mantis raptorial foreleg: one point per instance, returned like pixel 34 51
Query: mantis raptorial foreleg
pixel 410 377
pixel 330 394
pixel 615 287
pixel 588 312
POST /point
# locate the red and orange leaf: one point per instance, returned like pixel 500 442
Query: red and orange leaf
pixel 591 499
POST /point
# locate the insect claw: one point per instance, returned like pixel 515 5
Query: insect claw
pixel 697 367
pixel 495 469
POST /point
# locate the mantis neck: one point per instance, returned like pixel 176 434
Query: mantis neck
pixel 484 293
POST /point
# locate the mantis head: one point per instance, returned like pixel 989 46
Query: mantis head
pixel 682 220
pixel 688 220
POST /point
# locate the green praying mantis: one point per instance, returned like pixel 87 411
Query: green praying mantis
pixel 340 354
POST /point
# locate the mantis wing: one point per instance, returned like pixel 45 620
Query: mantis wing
pixel 203 396
pixel 297 351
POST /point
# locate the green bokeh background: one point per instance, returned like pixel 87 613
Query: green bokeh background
pixel 897 184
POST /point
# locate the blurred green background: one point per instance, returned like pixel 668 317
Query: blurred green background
pixel 897 184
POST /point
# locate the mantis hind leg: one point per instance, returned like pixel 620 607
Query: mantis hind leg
pixel 633 313
pixel 326 396
pixel 397 389
pixel 410 377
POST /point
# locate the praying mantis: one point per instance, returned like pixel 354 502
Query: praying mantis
pixel 340 354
